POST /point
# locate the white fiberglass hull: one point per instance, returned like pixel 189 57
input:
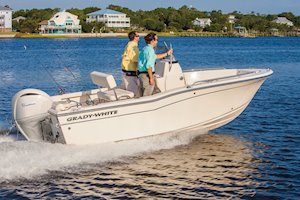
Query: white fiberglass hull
pixel 203 107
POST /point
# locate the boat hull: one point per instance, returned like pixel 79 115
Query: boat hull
pixel 207 107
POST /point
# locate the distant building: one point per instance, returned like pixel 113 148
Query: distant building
pixel 231 19
pixel 283 20
pixel 202 22
pixel 240 29
pixel 5 19
pixel 42 26
pixel 61 23
pixel 18 19
pixel 274 31
pixel 110 18
pixel 297 31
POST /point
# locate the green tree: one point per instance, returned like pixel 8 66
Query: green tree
pixel 154 25
pixel 90 10
pixel 92 27
pixel 160 19
pixel 214 28
pixel 297 21
pixel 29 26
pixel 33 17
pixel 288 15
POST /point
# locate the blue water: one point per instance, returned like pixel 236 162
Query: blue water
pixel 254 157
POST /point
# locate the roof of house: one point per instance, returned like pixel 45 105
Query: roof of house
pixel 106 11
pixel 44 22
pixel 60 18
pixel 282 20
pixel 5 8
pixel 240 27
pixel 18 18
pixel 203 19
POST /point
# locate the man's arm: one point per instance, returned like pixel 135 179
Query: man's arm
pixel 160 56
pixel 151 79
pixel 135 54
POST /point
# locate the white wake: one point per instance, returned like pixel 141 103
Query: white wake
pixel 23 159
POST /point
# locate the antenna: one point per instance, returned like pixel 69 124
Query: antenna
pixel 61 90
pixel 171 58
pixel 75 77
pixel 166 45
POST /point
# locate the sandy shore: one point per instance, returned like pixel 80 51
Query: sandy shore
pixel 7 35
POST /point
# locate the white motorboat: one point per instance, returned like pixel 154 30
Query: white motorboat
pixel 203 98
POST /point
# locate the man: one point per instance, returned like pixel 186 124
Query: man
pixel 129 64
pixel 146 64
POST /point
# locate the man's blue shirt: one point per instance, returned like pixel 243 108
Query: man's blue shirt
pixel 147 59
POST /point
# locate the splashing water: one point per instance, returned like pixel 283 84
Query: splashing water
pixel 23 159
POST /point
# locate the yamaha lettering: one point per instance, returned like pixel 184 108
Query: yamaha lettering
pixel 94 115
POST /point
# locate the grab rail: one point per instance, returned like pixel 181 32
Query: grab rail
pixel 203 69
pixel 222 78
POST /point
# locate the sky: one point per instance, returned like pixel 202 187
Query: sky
pixel 244 6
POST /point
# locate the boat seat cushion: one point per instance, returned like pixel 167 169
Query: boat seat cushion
pixel 109 95
pixel 103 80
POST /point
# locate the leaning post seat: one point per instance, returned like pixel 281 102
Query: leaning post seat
pixel 107 81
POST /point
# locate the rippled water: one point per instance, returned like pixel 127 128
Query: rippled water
pixel 254 157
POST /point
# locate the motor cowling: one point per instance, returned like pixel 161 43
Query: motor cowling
pixel 29 108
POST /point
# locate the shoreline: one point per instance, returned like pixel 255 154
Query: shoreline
pixel 124 35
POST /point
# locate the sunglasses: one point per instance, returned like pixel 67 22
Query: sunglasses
pixel 137 36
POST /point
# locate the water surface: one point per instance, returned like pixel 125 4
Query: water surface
pixel 254 157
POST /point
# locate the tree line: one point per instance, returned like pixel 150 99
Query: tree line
pixel 162 19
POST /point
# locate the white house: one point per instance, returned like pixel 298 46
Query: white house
pixel 202 22
pixel 61 23
pixel 5 19
pixel 110 18
pixel 42 26
pixel 283 20
pixel 231 19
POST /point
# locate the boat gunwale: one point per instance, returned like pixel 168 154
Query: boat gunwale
pixel 247 73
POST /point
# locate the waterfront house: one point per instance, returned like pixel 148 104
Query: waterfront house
pixel 42 26
pixel 18 19
pixel 241 31
pixel 274 31
pixel 61 23
pixel 202 22
pixel 111 18
pixel 283 20
pixel 5 19
pixel 231 19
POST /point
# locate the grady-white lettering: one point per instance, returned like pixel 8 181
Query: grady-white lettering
pixel 94 115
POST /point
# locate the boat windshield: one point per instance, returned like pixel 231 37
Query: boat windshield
pixel 159 49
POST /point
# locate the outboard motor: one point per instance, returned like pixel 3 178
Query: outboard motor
pixel 29 108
